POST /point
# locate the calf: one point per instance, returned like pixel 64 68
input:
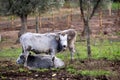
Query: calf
pixel 71 38
pixel 40 61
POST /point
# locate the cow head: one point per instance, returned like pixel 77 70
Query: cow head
pixel 62 39
pixel 21 59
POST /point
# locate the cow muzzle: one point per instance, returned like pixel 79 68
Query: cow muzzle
pixel 64 47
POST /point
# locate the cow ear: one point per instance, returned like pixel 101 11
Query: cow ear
pixel 69 37
pixel 57 37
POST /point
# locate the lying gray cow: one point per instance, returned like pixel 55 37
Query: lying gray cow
pixel 42 43
pixel 40 61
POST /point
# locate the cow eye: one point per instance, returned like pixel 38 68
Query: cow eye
pixel 22 57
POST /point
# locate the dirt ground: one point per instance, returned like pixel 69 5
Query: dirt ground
pixel 9 70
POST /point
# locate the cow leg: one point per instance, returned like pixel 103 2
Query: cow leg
pixel 26 57
pixel 26 53
pixel 52 51
pixel 72 51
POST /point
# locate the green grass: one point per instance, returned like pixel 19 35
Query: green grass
pixel 10 53
pixel 94 72
pixel 115 6
pixel 100 50
pixel 22 70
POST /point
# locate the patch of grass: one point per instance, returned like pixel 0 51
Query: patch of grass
pixel 100 50
pixel 106 50
pixel 94 72
pixel 10 53
pixel 42 70
pixel 3 78
pixel 117 33
pixel 115 5
pixel 22 70
pixel 71 69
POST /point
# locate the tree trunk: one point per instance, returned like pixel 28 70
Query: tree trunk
pixel 100 21
pixel 86 19
pixel 84 31
pixel 23 25
pixel 86 25
pixel 40 22
pixel 12 21
pixel 37 24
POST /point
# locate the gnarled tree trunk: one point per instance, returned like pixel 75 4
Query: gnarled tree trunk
pixel 86 25
pixel 23 25
pixel 86 18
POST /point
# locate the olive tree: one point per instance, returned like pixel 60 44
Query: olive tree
pixel 87 9
pixel 45 6
pixel 23 8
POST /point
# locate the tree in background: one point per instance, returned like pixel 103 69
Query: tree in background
pixel 88 9
pixel 103 5
pixel 45 6
pixel 23 8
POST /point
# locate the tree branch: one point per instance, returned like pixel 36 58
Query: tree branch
pixel 94 8
pixel 81 10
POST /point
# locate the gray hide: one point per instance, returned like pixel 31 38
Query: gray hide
pixel 40 61
pixel 72 33
pixel 42 43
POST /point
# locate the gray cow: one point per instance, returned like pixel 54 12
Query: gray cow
pixel 40 61
pixel 42 43
pixel 49 42
pixel 71 38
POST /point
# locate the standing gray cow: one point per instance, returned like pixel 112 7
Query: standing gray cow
pixel 40 61
pixel 71 38
pixel 42 43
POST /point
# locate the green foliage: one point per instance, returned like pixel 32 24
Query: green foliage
pixel 118 33
pixel 106 50
pixel 22 70
pixel 71 69
pixel 42 70
pixel 116 6
pixel 25 7
pixel 3 78
pixel 94 72
pixel 105 4
pixel 10 53
pixel 4 7
pixel 18 7
pixel 100 50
